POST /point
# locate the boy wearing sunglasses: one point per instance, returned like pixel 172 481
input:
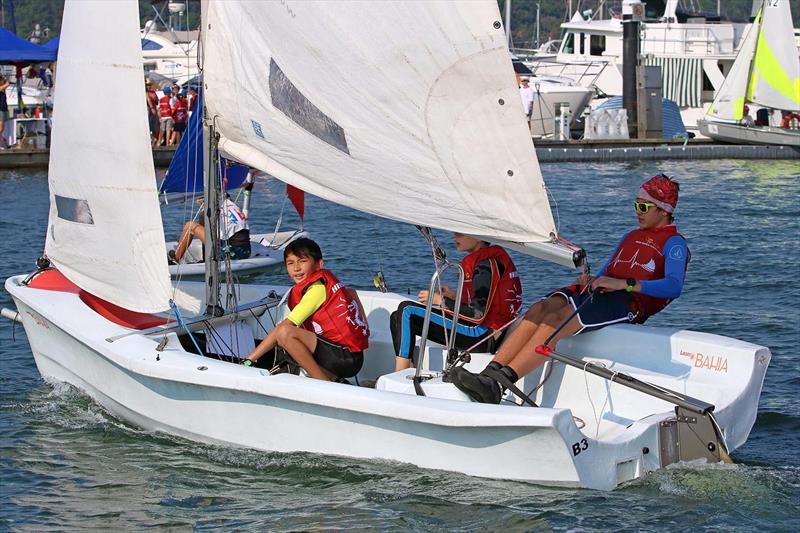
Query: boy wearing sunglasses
pixel 644 274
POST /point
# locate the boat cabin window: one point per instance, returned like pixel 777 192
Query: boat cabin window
pixel 569 44
pixel 597 45
pixel 147 44
pixel 581 39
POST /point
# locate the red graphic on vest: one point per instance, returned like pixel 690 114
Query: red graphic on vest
pixel 164 109
pixel 640 256
pixel 505 296
pixel 339 318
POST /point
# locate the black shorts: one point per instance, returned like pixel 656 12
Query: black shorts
pixel 336 359
pixel 180 127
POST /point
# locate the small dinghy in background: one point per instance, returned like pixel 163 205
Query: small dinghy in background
pixel 183 181
pixel 613 405
pixel 766 72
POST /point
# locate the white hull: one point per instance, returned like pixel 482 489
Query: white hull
pixel 264 255
pixel 204 399
pixel 740 134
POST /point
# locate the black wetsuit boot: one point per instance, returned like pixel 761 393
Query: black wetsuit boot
pixel 480 387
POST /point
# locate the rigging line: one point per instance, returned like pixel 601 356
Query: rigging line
pixel 555 208
pixel 179 318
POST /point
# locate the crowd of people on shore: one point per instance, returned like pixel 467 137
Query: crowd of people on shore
pixel 169 113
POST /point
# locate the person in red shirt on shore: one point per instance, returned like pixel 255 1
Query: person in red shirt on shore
pixel 180 116
pixel 645 273
pixel 165 118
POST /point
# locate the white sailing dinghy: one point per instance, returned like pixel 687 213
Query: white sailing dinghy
pixel 403 129
pixel 184 179
pixel 766 72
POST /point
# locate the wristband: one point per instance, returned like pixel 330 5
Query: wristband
pixel 247 362
pixel 631 284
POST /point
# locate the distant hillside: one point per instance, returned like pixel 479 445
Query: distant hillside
pixel 47 13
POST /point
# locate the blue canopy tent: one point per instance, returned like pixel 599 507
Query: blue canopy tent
pixel 16 50
pixel 52 44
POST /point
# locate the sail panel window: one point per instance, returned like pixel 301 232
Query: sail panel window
pixel 292 103
pixel 597 45
pixel 74 210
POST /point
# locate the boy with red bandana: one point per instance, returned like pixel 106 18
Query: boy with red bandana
pixel 326 331
pixel 645 273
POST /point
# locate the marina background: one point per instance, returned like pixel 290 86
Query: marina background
pixel 66 464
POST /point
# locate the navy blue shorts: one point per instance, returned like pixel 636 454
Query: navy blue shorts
pixel 606 308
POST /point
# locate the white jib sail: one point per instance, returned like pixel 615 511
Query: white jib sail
pixel 407 110
pixel 775 76
pixel 730 99
pixel 105 231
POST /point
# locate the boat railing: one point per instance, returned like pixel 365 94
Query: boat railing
pixel 584 73
pixel 691 40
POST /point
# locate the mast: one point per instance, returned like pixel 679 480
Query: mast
pixel 211 195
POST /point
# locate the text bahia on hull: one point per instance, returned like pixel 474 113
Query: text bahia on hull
pixel 389 142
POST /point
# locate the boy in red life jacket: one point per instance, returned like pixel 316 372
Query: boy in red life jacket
pixel 326 331
pixel 645 273
pixel 165 117
pixel 491 297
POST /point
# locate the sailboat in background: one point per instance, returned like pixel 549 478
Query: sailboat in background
pixel 422 142
pixel 184 180
pixel 766 72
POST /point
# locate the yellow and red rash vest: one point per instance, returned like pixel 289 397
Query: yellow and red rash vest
pixel 640 255
pixel 505 296
pixel 339 318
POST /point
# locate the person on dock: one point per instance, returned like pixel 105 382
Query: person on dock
pixel 4 83
pixel 233 230
pixel 644 274
pixel 152 112
pixel 527 95
pixel 326 331
pixel 491 297
pixel 180 115
pixel 165 118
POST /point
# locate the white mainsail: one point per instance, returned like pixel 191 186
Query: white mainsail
pixel 407 110
pixel 766 70
pixel 104 232
pixel 729 101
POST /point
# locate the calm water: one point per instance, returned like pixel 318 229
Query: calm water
pixel 66 464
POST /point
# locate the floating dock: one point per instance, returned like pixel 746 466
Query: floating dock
pixel 547 152
pixel 650 149
pixel 39 158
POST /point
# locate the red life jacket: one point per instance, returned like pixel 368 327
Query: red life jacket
pixel 505 295
pixel 181 112
pixel 640 256
pixel 339 318
pixel 164 109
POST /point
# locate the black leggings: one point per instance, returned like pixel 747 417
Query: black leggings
pixel 406 325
